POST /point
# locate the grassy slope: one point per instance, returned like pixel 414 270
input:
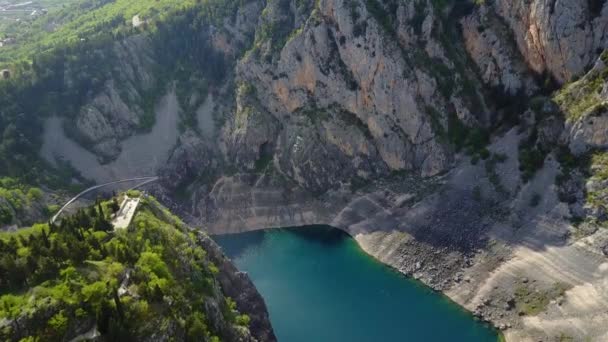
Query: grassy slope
pixel 581 97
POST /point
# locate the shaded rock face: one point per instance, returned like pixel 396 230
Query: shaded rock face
pixel 589 133
pixel 560 37
pixel 125 104
pixel 329 93
pixel 117 110
pixel 336 92
pixel 191 158
pixel 239 287
pixel 500 63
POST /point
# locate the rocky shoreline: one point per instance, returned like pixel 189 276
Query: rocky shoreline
pixel 517 267
pixel 238 286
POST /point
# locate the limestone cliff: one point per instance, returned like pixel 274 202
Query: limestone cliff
pixel 562 38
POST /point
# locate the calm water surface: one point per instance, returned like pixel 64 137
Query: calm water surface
pixel 319 286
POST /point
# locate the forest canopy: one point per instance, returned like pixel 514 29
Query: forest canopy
pixel 59 278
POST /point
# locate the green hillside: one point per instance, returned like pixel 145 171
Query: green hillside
pixel 55 72
pixel 89 20
pixel 59 281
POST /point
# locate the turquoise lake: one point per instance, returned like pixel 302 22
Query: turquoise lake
pixel 319 286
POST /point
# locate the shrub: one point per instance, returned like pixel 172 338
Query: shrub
pixel 531 159
pixel 535 200
pixel 34 194
pixel 58 324
pixel 242 320
pixel 477 193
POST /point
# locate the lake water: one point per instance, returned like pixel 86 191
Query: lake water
pixel 319 286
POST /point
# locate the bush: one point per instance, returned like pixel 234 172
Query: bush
pixel 58 324
pixel 242 320
pixel 535 200
pixel 34 194
pixel 477 193
pixel 530 161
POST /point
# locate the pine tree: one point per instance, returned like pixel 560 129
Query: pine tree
pixel 100 210
pixel 115 206
pixel 45 239
pixel 23 241
pixel 92 212
pixel 12 245
pixel 121 313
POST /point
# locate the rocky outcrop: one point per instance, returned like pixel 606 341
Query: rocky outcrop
pixel 591 132
pixel 126 103
pixel 190 159
pixel 584 104
pixel 119 109
pixel 343 99
pixel 560 37
pixel 239 287
pixel 500 64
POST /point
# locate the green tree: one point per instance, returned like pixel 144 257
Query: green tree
pixel 58 324
pixel 196 328
pixel 114 206
pixel 34 194
pixel 150 262
pixel 95 295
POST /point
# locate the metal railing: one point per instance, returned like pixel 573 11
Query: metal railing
pixel 145 180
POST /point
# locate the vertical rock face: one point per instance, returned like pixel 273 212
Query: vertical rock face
pixel 239 287
pixel 584 104
pixel 488 43
pixel 562 37
pixel 118 108
pixel 356 90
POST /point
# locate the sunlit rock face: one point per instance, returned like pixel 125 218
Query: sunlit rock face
pixel 561 37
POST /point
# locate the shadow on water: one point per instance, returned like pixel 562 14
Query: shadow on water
pixel 324 235
pixel 234 248
pixel 318 234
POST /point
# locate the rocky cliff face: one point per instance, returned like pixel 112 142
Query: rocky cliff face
pixel 349 97
pixel 425 129
pixel 238 286
pixel 119 108
pixel 562 38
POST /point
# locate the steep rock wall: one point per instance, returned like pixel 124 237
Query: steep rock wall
pixel 560 37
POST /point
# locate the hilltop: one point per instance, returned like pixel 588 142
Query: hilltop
pixel 155 280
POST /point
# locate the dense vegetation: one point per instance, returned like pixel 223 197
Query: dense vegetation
pixel 13 23
pixel 582 97
pixel 86 20
pixel 58 281
pixel 16 198
pixel 56 72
